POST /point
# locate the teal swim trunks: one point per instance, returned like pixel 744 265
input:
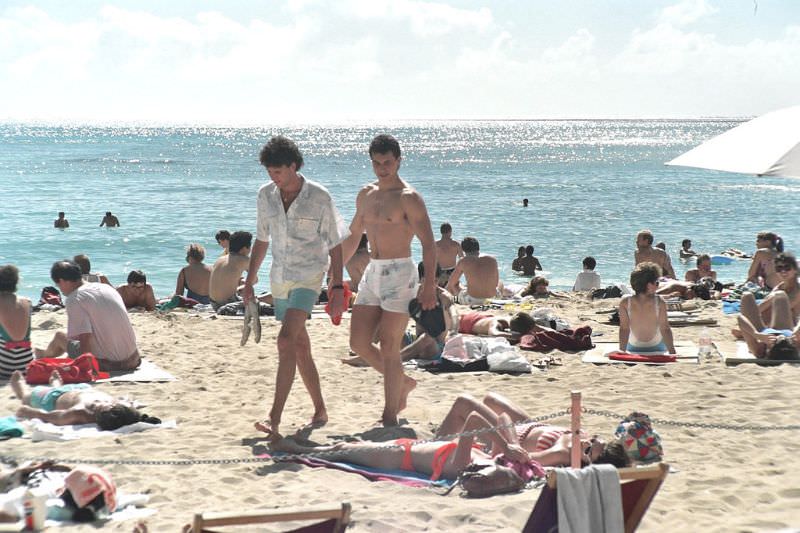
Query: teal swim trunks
pixel 44 397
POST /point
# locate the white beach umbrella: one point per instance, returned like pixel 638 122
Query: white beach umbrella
pixel 766 146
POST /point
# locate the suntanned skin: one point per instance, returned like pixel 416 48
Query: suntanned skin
pixel 226 274
pixel 392 213
pixel 110 221
pixel 72 407
pixel 703 270
pixel 15 315
pixel 481 274
pixel 196 275
pixel 765 254
pixel 294 345
pixel 138 296
pixel 528 265
pixel 61 221
pixel 646 253
pixel 448 251
pixel 642 318
pixel 751 323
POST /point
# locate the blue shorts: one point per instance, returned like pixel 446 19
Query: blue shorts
pixel 659 348
pixel 300 298
pixel 44 397
pixel 771 331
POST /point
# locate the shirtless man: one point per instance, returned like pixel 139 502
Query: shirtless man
pixel 643 324
pixel 448 252
pixel 77 403
pixel 61 222
pixel 110 221
pixel 646 253
pixel 137 293
pixel 528 264
pixel 703 270
pixel 392 213
pixel 686 250
pixel 358 263
pixel 480 271
pixel 226 274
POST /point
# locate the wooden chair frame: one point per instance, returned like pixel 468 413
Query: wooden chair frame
pixel 203 521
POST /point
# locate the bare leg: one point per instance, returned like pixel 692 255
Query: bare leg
pixel 288 346
pixel 423 347
pixel 781 312
pixel 310 376
pixel 748 308
pixel 20 388
pixel 363 324
pixel 56 347
pixel 500 404
pixel 750 335
pixel 461 409
pixel 396 384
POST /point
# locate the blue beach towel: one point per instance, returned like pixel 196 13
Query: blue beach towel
pixel 10 428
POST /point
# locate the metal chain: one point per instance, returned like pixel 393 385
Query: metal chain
pixel 328 454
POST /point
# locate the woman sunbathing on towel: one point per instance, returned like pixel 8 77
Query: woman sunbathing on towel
pixel 643 324
pixel 77 403
pixel 480 323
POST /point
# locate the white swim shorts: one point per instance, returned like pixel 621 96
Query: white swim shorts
pixel 389 284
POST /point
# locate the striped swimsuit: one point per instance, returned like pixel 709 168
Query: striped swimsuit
pixel 14 355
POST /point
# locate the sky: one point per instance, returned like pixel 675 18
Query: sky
pixel 238 62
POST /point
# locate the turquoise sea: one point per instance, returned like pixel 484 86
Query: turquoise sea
pixel 592 184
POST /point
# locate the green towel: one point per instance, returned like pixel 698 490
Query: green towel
pixel 9 428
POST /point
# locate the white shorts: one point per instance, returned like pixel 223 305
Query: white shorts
pixel 389 284
pixel 465 299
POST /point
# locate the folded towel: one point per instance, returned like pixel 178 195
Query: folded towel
pixel 10 428
pixel 589 499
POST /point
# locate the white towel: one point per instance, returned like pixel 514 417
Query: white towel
pixel 589 500
pixel 40 430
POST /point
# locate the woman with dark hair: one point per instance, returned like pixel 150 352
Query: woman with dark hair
pixel 643 325
pixel 15 325
pixel 762 269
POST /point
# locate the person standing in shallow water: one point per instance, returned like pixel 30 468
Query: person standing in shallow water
pixel 110 221
pixel 392 213
pixel 306 230
pixel 61 222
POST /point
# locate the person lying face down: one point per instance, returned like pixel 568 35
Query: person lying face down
pixel 77 403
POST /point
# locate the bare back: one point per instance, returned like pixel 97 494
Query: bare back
pixel 643 314
pixel 225 276
pixel 481 274
pixel 196 277
pixel 15 315
pixel 657 256
pixel 447 252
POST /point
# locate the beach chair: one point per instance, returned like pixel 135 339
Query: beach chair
pixel 329 519
pixel 638 485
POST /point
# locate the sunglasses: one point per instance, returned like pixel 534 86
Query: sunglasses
pixel 783 268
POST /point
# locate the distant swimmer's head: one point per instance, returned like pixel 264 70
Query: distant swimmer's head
pixel 108 213
pixel 65 271
pixel 240 240
pixel 281 152
pixel 662 246
pixel 384 144
pixel 643 275
pixel 196 252
pixel 644 238
pixel 446 229
pixel 61 214
pixel 521 251
pixel 137 278
pixel 521 323
pixel 686 244
pixel 524 202
pixel 470 246
pixel 84 263
pixel 529 250
pixel 9 277
pixel 589 263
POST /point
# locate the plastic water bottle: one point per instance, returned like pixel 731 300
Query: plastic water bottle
pixel 704 342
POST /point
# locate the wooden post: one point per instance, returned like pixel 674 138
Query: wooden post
pixel 575 456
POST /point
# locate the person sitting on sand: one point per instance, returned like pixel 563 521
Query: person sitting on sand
pixel 686 251
pixel 481 274
pixel 645 252
pixel 223 238
pixel 588 279
pixel 137 292
pixel 194 277
pixel 538 288
pixel 110 221
pixel 688 290
pixel 762 269
pixel 703 270
pixel 97 322
pixel 785 266
pixel 76 403
pixel 528 264
pixel 15 324
pixel 61 222
pixel 447 458
pixel 643 324
pixel 448 252
pixel 86 270
pixel 358 263
pixel 226 274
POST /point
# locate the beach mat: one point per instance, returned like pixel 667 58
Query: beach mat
pixel 404 477
pixel 40 430
pixel 743 356
pixel 148 371
pixel 686 352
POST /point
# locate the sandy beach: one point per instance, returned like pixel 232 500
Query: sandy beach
pixel 722 479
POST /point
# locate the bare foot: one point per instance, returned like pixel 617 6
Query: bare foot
pixel 16 384
pixel 737 334
pixel 409 384
pixel 319 419
pixel 354 361
pixel 266 426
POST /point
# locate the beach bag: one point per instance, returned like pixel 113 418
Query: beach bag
pixel 83 369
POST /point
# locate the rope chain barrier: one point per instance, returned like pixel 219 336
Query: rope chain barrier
pixel 332 453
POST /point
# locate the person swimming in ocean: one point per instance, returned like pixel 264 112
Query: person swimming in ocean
pixel 110 221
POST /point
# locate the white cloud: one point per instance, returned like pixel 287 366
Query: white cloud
pixel 686 12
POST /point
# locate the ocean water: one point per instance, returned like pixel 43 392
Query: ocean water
pixel 592 184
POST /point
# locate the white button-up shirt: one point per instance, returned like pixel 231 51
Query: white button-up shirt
pixel 301 237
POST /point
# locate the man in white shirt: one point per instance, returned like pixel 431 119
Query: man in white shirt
pixel 306 231
pixel 588 279
pixel 97 322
